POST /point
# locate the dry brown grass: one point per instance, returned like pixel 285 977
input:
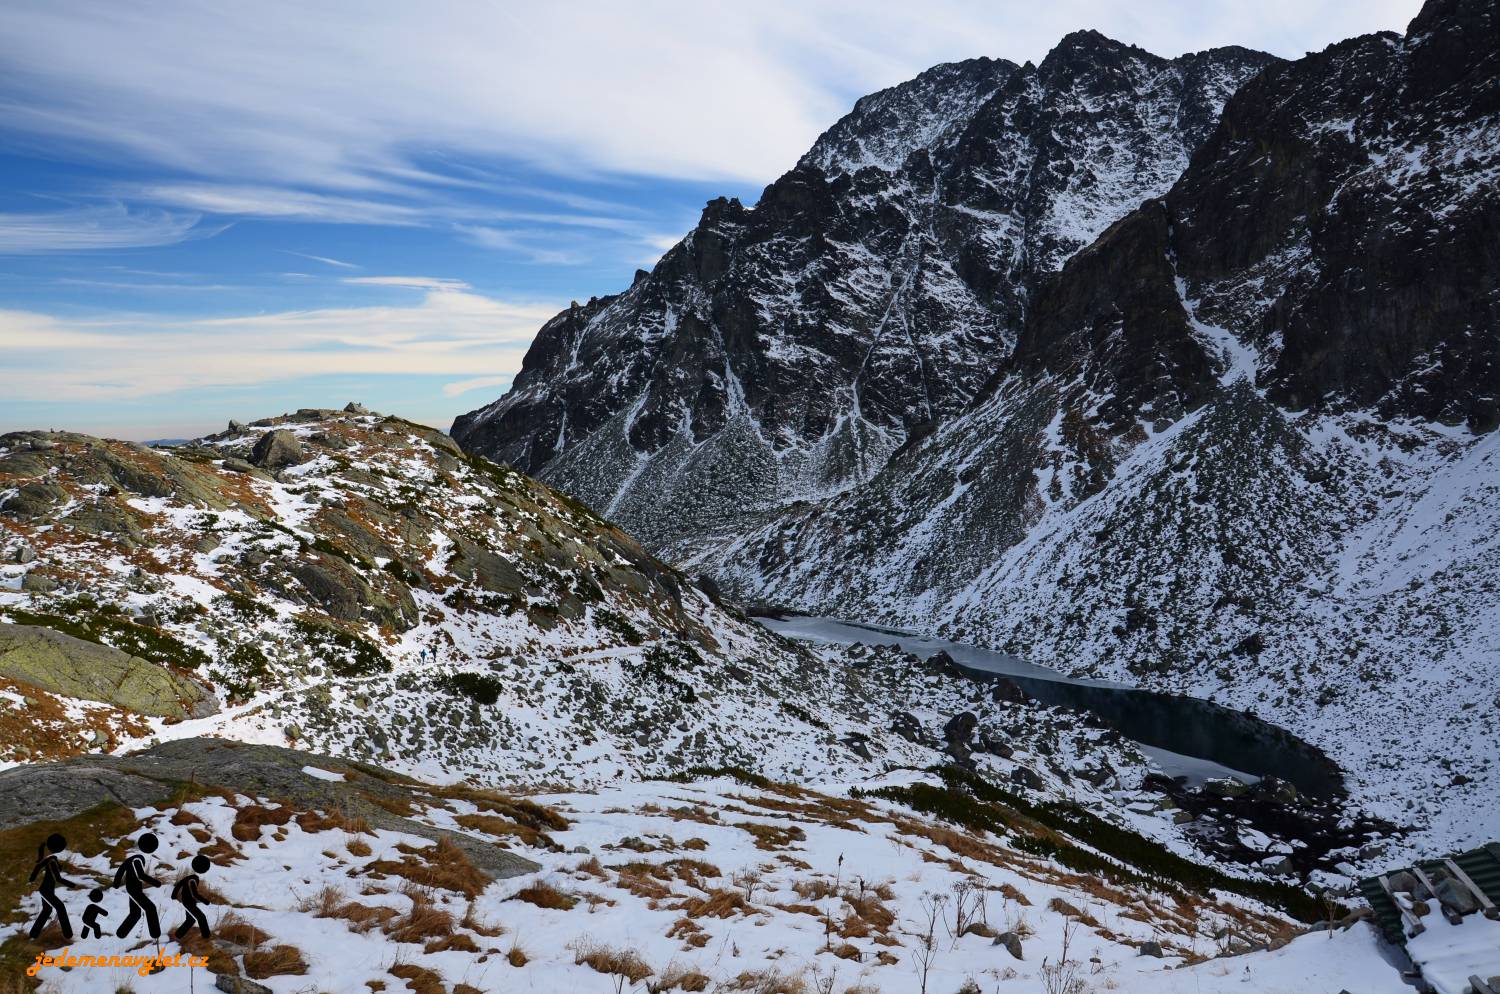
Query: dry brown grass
pixel 419 979
pixel 457 942
pixel 1010 893
pixel 869 908
pixel 220 960
pixel 519 810
pixel 626 963
pixel 324 904
pixel 363 917
pixel 772 837
pixel 717 904
pixel 233 928
pixel 250 819
pixel 814 890
pixel 544 895
pixel 358 847
pixel 402 806
pixel 517 956
pixel 324 821
pixel 425 920
pixel 479 926
pixel 444 866
pixel 768 982
pixel 677 977
pixel 278 961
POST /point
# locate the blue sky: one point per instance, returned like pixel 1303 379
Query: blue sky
pixel 214 210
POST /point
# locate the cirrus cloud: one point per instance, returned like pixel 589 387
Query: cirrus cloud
pixel 449 332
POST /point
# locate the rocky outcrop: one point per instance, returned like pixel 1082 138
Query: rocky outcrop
pixel 62 664
pixel 54 792
pixel 277 450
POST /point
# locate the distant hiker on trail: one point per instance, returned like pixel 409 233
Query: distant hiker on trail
pixel 51 871
pixel 133 876
pixel 186 894
pixel 93 913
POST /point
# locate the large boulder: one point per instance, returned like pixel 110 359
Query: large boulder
pixel 53 792
pixel 71 667
pixel 277 450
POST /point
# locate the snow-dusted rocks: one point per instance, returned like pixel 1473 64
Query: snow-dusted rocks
pixel 784 352
pixel 1236 441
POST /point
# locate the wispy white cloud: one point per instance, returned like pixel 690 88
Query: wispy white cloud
pixel 415 282
pixel 459 387
pixel 450 332
pixel 325 260
pixel 274 202
pixel 363 96
pixel 521 243
pixel 81 229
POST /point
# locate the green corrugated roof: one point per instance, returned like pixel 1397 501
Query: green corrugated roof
pixel 1482 865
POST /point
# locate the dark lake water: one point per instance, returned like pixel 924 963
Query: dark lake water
pixel 1185 736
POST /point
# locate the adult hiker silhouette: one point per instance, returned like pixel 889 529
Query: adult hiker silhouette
pixel 51 870
pixel 186 894
pixel 133 876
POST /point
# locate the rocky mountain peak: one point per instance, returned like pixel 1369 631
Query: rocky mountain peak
pixel 784 352
pixel 885 127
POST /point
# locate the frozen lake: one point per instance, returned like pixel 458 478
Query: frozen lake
pixel 1184 736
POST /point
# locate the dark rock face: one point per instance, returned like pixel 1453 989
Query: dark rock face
pixel 786 352
pixel 276 450
pixel 1365 177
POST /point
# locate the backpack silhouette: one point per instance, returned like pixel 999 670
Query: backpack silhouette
pixel 185 893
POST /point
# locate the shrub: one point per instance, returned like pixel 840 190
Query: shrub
pixel 485 688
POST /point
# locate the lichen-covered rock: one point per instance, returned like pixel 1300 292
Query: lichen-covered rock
pixel 62 664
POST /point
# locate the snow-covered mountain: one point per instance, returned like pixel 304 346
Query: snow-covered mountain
pixel 784 352
pixel 1242 444
pixel 1245 446
pixel 353 584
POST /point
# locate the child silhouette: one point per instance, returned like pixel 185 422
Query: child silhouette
pixel 93 913
pixel 186 894
pixel 51 870
pixel 133 877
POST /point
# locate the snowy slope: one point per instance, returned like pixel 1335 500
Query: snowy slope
pixel 707 884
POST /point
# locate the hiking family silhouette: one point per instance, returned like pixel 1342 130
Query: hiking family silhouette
pixel 133 876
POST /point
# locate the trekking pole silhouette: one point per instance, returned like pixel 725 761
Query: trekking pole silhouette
pixel 133 877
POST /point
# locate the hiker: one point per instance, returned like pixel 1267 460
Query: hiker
pixel 133 876
pixel 51 870
pixel 186 894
